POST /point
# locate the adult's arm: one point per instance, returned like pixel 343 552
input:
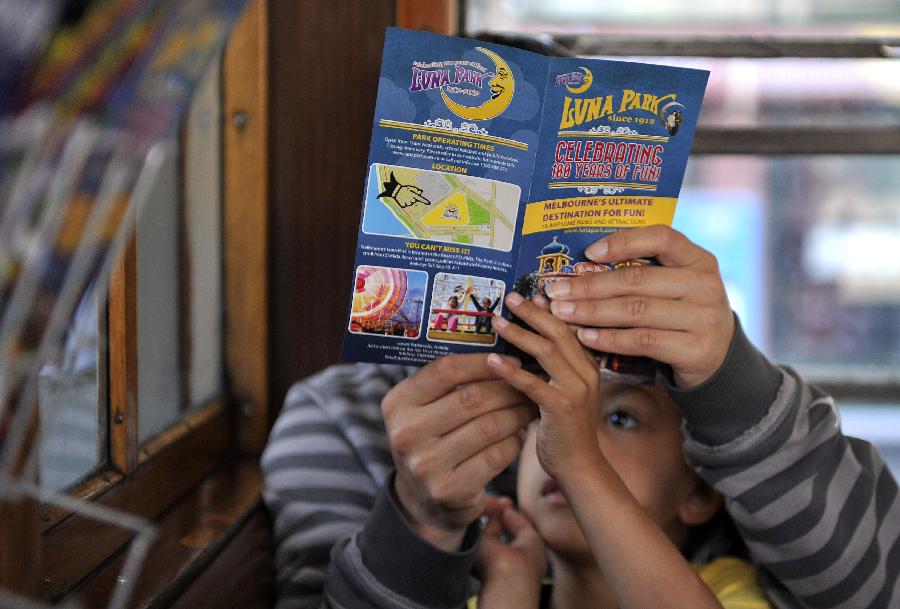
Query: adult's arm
pixel 819 511
pixel 340 539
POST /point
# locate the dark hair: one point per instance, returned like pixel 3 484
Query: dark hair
pixel 717 537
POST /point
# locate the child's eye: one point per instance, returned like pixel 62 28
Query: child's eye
pixel 622 419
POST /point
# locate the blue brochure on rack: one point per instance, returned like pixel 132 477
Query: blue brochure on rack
pixel 490 169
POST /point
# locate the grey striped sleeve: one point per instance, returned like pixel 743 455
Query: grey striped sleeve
pixel 340 538
pixel 324 465
pixel 819 511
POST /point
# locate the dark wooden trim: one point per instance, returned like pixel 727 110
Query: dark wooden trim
pixel 182 429
pixel 797 140
pixel 676 45
pixel 123 361
pixel 20 558
pixel 76 545
pixel 245 110
pixel 191 535
pixel 438 16
pixel 245 567
pixel 87 490
pixel 319 149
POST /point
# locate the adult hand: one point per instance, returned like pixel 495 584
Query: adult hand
pixel 511 571
pixel 452 427
pixel 676 313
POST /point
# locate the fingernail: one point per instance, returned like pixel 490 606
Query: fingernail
pixel 493 359
pixel 562 308
pixel 500 322
pixel 539 299
pixel 514 298
pixel 588 336
pixel 558 289
pixel 597 250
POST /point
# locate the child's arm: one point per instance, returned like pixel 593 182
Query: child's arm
pixel 641 565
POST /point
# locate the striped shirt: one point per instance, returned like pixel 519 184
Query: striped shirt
pixel 819 511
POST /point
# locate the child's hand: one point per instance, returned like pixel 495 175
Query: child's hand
pixel 677 313
pixel 567 436
pixel 511 571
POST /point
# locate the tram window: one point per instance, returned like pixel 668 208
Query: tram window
pixel 804 244
pixel 178 269
pixel 131 421
pixel 668 17
pixel 794 182
pixel 177 286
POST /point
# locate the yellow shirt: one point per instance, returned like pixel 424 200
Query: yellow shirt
pixel 734 584
pixel 731 580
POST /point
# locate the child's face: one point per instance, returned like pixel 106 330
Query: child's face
pixel 486 302
pixel 640 436
pixel 453 302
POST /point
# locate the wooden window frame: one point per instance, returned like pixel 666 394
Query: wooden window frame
pixel 57 551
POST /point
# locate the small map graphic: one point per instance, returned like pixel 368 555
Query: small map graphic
pixel 437 206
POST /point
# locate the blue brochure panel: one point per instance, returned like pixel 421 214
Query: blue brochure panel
pixel 490 169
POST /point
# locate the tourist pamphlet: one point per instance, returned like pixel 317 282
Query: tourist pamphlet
pixel 491 169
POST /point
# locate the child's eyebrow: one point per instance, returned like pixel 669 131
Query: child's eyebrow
pixel 639 396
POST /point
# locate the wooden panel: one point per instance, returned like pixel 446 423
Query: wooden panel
pixel 325 62
pixel 51 515
pixel 246 200
pixel 242 575
pixel 123 365
pixel 78 545
pixel 220 521
pixel 438 16
pixel 19 550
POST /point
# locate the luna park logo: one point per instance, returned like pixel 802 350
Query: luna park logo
pixel 467 79
pixel 576 82
pixel 577 111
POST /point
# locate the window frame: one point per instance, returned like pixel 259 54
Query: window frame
pixel 50 544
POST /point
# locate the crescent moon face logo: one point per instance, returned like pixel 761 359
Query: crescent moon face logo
pixel 585 84
pixel 502 85
pixel 671 116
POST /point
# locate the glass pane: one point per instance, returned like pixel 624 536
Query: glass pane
pixel 203 234
pixel 158 310
pixel 72 421
pixel 179 271
pixel 867 17
pixel 809 251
